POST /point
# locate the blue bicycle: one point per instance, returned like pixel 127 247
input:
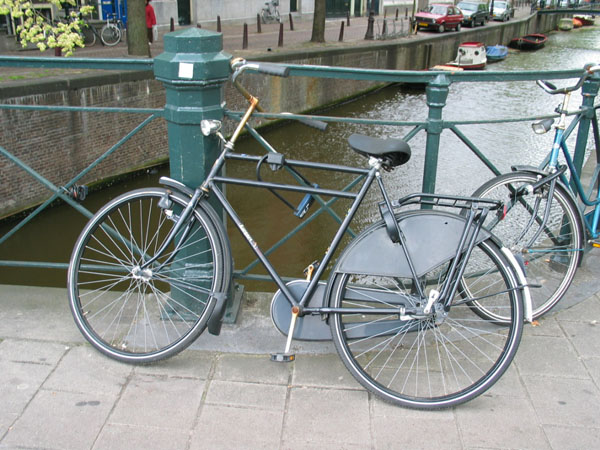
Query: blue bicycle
pixel 543 224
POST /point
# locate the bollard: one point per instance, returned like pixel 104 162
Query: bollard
pixel 384 28
pixel 258 27
pixel 245 37
pixel 369 35
pixel 198 25
pixel 291 22
pixel 348 19
pixel 280 43
pixel 172 25
pixel 193 70
pixel 218 24
pixel 396 14
pixel 341 38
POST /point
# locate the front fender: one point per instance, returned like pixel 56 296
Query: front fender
pixel 432 238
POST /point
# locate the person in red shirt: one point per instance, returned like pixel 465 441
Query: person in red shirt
pixel 150 20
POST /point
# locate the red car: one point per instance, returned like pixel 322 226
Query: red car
pixel 440 17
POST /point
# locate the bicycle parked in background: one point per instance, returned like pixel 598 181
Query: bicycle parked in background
pixel 270 12
pixel 151 271
pixel 543 223
pixel 113 31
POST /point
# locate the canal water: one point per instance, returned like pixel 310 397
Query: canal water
pixel 51 236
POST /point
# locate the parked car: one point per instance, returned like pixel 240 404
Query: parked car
pixel 474 13
pixel 439 17
pixel 502 11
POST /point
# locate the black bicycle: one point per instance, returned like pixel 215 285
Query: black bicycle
pixel 151 271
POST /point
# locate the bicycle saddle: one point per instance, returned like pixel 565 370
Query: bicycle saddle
pixel 394 152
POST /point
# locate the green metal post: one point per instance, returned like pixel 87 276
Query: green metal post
pixel 193 69
pixel 437 93
pixel 588 92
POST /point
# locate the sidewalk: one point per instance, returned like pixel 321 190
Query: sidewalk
pixel 59 393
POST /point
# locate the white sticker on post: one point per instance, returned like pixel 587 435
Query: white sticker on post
pixel 186 70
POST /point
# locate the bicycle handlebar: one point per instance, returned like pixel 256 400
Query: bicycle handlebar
pixel 553 90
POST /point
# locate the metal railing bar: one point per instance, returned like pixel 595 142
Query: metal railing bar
pixel 475 150
pixel 77 63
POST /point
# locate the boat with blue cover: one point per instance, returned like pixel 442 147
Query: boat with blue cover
pixel 496 53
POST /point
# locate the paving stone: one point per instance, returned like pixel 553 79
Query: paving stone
pixel 85 370
pixel 253 395
pixel 548 356
pixel 500 422
pixel 252 368
pixel 187 364
pixel 547 326
pixel 561 401
pixel 585 337
pixel 593 366
pixel 329 417
pixel 324 371
pixel 114 437
pixel 222 427
pixel 60 420
pixel 31 351
pixel 572 438
pixel 585 311
pixel 19 382
pixel 161 402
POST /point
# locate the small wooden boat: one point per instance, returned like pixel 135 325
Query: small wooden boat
pixel 529 42
pixel 565 24
pixel 495 53
pixel 470 56
pixel 586 20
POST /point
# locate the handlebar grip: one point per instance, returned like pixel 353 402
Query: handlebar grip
pixel 318 124
pixel 273 69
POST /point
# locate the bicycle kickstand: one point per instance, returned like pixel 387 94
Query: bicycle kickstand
pixel 286 356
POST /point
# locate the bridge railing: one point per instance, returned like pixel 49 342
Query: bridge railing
pixel 194 91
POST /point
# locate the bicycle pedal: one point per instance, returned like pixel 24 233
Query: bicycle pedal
pixel 283 357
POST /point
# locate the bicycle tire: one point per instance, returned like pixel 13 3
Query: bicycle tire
pixel 89 37
pixel 141 316
pixel 416 362
pixel 110 34
pixel 549 261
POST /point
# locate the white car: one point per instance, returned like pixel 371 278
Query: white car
pixel 502 11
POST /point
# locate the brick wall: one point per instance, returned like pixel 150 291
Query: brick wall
pixel 59 145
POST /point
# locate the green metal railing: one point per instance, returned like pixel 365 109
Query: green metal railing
pixel 203 97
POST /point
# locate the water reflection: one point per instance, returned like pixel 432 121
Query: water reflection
pixel 52 236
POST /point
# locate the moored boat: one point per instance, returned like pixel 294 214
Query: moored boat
pixel 565 24
pixel 577 23
pixel 470 56
pixel 529 42
pixel 586 20
pixel 495 53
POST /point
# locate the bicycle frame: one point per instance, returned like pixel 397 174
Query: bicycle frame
pixel 466 244
pixel 550 163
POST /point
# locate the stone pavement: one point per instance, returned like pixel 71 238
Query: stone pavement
pixel 57 392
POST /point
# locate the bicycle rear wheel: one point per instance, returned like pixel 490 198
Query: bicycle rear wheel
pixel 141 314
pixel 110 34
pixel 435 360
pixel 552 260
pixel 89 37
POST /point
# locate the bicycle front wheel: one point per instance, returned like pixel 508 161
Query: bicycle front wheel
pixel 551 260
pixel 110 34
pixel 427 361
pixel 137 313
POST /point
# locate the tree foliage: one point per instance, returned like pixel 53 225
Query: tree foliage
pixel 36 29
